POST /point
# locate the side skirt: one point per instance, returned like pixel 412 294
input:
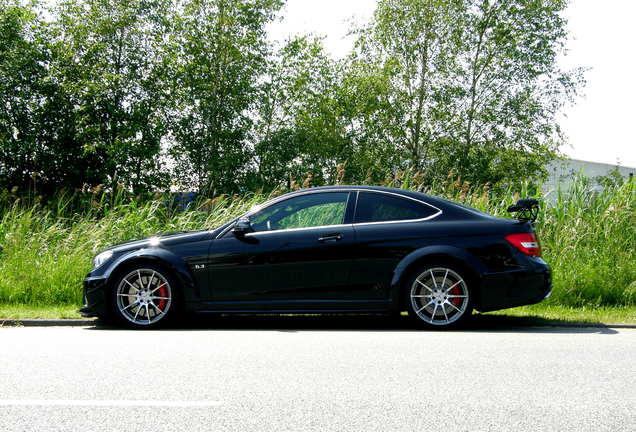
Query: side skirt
pixel 292 306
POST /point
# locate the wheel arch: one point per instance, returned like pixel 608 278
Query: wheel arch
pixel 160 257
pixel 470 266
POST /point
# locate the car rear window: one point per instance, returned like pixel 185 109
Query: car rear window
pixel 381 207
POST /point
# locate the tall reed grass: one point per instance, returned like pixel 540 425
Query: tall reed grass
pixel 588 237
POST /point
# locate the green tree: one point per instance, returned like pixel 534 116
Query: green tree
pixel 466 86
pixel 112 60
pixel 21 82
pixel 222 54
pixel 508 89
pixel 415 43
pixel 302 118
pixel 38 149
pixel 146 91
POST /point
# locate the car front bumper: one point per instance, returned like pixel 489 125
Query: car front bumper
pixel 94 297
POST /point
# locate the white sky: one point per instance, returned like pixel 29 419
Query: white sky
pixel 600 126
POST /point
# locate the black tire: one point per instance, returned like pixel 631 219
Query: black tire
pixel 144 296
pixel 438 296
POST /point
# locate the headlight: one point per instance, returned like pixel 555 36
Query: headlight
pixel 101 258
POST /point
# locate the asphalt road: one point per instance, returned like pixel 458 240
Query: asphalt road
pixel 319 374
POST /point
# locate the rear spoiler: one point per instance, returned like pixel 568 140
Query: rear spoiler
pixel 528 209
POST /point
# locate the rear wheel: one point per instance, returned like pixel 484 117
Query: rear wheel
pixel 144 296
pixel 438 296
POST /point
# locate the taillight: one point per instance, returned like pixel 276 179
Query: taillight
pixel 526 243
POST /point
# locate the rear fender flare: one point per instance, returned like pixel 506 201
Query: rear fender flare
pixel 434 253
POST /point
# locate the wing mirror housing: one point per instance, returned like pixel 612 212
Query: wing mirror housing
pixel 242 227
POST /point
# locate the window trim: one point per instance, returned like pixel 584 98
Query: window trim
pixel 352 192
pixel 258 233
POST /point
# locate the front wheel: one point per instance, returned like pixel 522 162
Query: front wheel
pixel 144 297
pixel 438 296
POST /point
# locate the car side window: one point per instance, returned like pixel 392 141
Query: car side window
pixel 381 207
pixel 311 210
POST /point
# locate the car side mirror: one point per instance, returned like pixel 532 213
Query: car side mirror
pixel 242 227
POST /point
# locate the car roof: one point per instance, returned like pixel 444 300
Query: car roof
pixel 441 203
pixel 406 192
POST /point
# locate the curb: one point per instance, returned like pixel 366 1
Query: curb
pixel 46 322
pixel 92 321
pixel 589 325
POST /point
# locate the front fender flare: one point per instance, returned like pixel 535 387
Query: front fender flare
pixel 473 265
pixel 162 257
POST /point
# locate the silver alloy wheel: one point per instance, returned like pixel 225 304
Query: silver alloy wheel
pixel 144 296
pixel 439 296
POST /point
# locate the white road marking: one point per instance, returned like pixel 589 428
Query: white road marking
pixel 108 403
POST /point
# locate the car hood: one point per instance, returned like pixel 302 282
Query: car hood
pixel 169 238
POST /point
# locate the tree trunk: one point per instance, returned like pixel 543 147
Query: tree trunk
pixel 421 91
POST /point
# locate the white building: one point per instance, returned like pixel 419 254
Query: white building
pixel 561 173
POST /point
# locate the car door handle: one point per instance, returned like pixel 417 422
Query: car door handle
pixel 330 238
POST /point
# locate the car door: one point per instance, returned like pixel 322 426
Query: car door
pixel 386 225
pixel 300 249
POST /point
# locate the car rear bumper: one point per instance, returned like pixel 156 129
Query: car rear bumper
pixel 94 297
pixel 529 285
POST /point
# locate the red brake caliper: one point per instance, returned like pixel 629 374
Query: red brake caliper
pixel 163 292
pixel 456 300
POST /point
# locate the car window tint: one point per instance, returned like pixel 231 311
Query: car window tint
pixel 304 211
pixel 380 207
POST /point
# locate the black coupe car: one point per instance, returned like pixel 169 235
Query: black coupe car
pixel 335 249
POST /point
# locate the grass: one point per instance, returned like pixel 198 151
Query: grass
pixel 583 314
pixel 46 253
pixel 535 315
pixel 589 239
pixel 22 311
